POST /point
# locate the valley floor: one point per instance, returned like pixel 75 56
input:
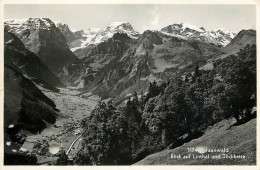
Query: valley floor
pixel 73 106
pixel 239 140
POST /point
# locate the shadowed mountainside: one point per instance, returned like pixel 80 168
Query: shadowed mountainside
pixel 28 62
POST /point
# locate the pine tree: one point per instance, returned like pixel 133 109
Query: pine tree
pixel 197 72
pixel 153 91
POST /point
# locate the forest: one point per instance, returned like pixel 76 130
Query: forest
pixel 171 113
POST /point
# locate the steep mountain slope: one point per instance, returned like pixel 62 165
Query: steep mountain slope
pixel 27 109
pixel 177 112
pixel 41 36
pixel 240 140
pixel 219 36
pixel 95 36
pixel 243 38
pixel 27 61
pixel 84 38
pixel 154 56
pixel 95 57
pixel 64 29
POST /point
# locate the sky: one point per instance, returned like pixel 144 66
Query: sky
pixel 141 16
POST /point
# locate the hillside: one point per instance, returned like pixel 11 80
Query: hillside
pixel 175 112
pixel 243 38
pixel 27 109
pixel 240 140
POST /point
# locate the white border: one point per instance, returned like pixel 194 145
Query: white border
pixel 154 167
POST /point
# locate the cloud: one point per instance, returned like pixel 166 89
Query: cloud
pixel 155 18
pixel 152 19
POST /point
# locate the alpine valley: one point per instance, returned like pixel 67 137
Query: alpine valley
pixel 113 96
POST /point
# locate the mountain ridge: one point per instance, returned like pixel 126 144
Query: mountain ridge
pixel 217 36
pixel 152 55
pixel 41 36
pixel 27 61
pixel 96 36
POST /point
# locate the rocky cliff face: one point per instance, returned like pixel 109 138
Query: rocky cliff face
pixel 30 64
pixel 84 38
pixel 117 61
pixel 220 37
pixel 97 56
pixel 96 36
pixel 67 33
pixel 132 65
pixel 41 36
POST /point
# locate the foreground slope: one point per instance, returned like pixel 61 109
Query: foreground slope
pixel 73 106
pixel 240 140
pixel 27 109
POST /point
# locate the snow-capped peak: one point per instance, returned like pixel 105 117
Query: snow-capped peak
pixel 190 26
pixel 58 23
pixel 61 25
pixel 18 21
pixel 96 35
pixel 92 30
pixel 18 25
pixel 120 27
pixel 116 24
pixel 218 36
pixel 224 31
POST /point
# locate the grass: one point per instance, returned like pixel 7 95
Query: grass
pixel 240 140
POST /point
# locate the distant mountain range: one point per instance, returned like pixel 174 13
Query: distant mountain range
pixel 95 35
pixel 83 38
pixel 117 61
pixel 220 37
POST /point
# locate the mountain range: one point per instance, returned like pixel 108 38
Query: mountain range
pixel 95 35
pixel 83 38
pixel 79 58
pixel 220 37
pixel 113 62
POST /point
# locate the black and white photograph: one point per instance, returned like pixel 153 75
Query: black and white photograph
pixel 129 84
